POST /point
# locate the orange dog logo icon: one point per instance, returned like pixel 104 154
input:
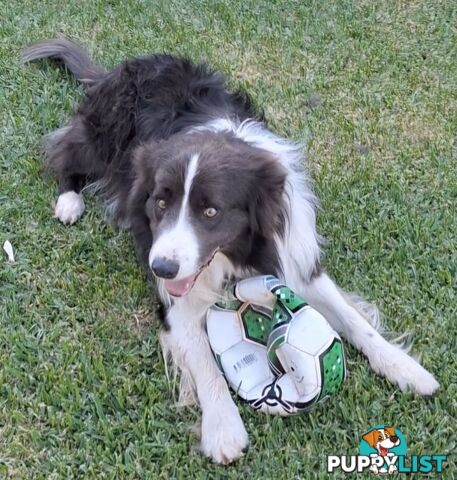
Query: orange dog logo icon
pixel 383 439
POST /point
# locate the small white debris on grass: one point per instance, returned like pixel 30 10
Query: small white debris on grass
pixel 9 250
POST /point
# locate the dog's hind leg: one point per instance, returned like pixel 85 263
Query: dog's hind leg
pixel 385 358
pixel 70 203
pixel 67 159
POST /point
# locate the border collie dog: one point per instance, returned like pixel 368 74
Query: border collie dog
pixel 208 193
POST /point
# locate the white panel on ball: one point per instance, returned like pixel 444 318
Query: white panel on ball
pixel 312 331
pixel 224 329
pixel 245 366
pixel 304 368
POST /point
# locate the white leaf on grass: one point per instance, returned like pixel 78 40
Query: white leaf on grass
pixel 9 250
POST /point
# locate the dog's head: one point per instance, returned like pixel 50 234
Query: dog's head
pixel 382 439
pixel 202 193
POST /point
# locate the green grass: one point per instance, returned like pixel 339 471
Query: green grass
pixel 372 87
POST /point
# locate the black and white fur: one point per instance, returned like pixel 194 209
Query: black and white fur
pixel 208 193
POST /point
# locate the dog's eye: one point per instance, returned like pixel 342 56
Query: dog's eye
pixel 161 203
pixel 210 212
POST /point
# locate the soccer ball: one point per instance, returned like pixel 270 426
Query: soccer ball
pixel 276 352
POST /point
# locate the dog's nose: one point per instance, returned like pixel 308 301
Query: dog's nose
pixel 394 439
pixel 164 267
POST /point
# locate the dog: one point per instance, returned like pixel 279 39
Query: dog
pixel 382 440
pixel 209 194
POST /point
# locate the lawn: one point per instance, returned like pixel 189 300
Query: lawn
pixel 371 87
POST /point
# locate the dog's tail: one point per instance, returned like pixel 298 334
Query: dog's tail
pixel 68 53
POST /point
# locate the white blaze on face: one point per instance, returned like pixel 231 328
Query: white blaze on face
pixel 179 243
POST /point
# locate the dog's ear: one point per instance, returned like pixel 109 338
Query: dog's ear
pixel 390 431
pixel 266 199
pixel 371 438
pixel 144 160
pixel 143 166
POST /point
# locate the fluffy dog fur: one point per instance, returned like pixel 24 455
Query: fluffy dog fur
pixel 208 193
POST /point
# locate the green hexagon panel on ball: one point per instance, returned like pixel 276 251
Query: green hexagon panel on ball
pixel 257 324
pixel 276 352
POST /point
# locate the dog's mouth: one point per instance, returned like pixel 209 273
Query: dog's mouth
pixel 180 288
pixel 383 451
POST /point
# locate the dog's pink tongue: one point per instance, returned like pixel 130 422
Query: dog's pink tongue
pixel 179 288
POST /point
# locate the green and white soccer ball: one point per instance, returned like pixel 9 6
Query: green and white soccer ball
pixel 278 353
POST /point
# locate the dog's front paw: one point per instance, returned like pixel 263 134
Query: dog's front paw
pixel 69 207
pixel 223 436
pixel 426 384
pixel 406 372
